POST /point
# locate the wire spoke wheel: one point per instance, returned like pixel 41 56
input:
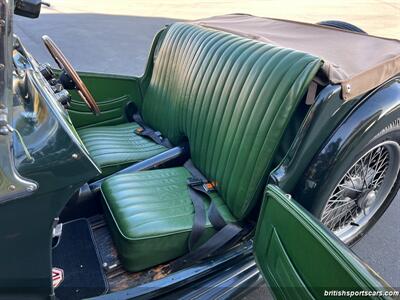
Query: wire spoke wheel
pixel 362 190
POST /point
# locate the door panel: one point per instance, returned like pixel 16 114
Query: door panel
pixel 301 259
pixel 112 112
pixel 112 93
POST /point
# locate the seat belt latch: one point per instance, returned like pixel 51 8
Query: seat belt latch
pixel 139 130
pixel 209 186
pixel 199 183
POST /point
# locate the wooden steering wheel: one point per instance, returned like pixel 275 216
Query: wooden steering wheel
pixel 63 63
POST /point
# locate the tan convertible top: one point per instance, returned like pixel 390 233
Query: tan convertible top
pixel 358 62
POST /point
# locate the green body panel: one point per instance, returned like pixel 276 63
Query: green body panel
pixel 301 259
pixel 232 99
pixel 115 147
pixel 318 124
pixel 151 215
pixel 26 224
pixel 112 93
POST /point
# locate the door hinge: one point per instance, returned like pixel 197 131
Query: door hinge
pixel 4 126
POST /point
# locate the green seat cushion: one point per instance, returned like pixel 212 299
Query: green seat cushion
pixel 115 147
pixel 150 215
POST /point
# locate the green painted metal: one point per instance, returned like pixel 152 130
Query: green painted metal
pixel 60 165
pixel 26 223
pixel 321 120
pixel 301 259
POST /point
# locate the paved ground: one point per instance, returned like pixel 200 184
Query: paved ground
pixel 115 36
pixel 380 17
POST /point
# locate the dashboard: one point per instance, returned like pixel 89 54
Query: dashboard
pixel 41 117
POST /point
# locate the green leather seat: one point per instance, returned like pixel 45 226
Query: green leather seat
pixel 114 147
pixel 232 99
pixel 152 214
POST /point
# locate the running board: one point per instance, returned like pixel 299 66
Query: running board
pixel 230 273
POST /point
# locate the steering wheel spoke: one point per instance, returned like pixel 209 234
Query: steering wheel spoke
pixel 63 63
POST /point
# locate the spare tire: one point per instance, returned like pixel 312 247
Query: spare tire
pixel 341 25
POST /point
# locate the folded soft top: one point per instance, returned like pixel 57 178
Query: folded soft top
pixel 357 61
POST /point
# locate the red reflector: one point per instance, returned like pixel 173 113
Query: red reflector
pixel 58 277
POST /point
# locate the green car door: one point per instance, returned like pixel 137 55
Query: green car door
pixel 301 259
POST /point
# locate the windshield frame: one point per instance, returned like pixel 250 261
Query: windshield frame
pixel 6 42
pixel 12 185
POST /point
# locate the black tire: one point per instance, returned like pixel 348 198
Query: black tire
pixel 386 133
pixel 342 25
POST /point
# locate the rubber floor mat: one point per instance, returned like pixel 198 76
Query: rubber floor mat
pixel 77 269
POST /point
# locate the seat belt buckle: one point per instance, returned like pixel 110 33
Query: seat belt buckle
pixel 205 185
pixel 139 130
pixel 209 187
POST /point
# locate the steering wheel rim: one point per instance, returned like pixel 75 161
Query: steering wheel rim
pixel 63 63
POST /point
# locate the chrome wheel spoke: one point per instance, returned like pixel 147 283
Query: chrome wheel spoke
pixel 349 188
pixel 362 190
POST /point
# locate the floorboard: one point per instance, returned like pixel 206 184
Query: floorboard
pixel 118 278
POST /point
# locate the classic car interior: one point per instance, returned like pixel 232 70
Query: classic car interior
pixel 229 101
pixel 148 210
pixel 150 175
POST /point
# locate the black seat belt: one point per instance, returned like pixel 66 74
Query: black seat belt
pixel 200 218
pixel 226 233
pixel 146 131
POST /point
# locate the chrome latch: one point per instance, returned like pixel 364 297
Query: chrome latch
pixel 57 228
